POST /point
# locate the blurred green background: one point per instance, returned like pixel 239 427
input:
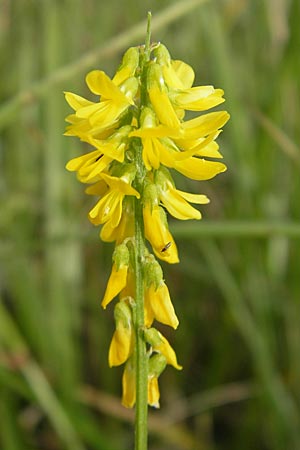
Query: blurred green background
pixel 236 290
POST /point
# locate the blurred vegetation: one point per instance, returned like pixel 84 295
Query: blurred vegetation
pixel 237 288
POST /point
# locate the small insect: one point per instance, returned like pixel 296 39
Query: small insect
pixel 99 157
pixel 165 248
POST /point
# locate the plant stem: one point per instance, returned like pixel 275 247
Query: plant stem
pixel 141 411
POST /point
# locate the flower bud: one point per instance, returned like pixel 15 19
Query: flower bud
pixel 157 364
pixel 121 344
pixel 128 67
pixel 162 55
pixel 121 256
pixel 150 195
pixel 152 272
pixel 160 345
pixel 148 118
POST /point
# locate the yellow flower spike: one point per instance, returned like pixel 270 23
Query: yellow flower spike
pixel 160 345
pixel 128 384
pixel 121 344
pixel 118 277
pixel 159 303
pixel 137 129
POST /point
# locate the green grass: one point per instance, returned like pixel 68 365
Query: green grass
pixel 236 289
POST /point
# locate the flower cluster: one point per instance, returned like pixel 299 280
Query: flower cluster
pixel 137 130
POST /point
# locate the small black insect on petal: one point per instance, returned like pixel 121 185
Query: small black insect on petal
pixel 165 248
pixel 99 157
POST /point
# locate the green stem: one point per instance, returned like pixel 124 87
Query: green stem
pixel 141 411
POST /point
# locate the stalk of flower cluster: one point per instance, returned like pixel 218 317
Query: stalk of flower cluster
pixel 141 408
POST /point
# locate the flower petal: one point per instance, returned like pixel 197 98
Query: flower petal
pixel 199 199
pixel 203 125
pixel 116 282
pixel 153 392
pixel 199 169
pixel 158 234
pixel 161 305
pixel 178 75
pixel 100 84
pixel 163 107
pixel 76 101
pixel 165 349
pixel 177 206
pixel 120 346
pixel 128 385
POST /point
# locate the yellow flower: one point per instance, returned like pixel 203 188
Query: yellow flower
pixel 85 131
pixel 124 229
pixel 160 345
pixel 109 207
pixel 160 101
pixel 121 344
pixel 155 149
pixel 85 165
pixel 153 392
pixel 198 98
pixel 175 200
pixel 115 284
pixel 157 364
pixel 115 100
pixel 165 349
pixel 128 384
pixel 177 148
pixel 158 234
pixel 158 306
pixel 118 277
pixel 177 74
pixel 90 165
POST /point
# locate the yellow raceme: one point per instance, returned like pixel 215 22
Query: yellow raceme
pixel 141 111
